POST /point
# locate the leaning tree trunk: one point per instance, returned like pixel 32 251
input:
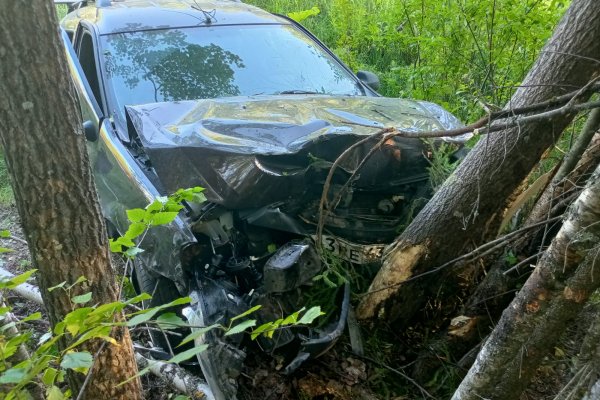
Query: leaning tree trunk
pixel 45 150
pixel 497 288
pixel 467 209
pixel 557 290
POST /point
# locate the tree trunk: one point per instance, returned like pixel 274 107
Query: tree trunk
pixel 497 288
pixel 45 150
pixel 557 290
pixel 467 209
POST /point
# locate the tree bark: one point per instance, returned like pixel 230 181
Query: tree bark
pixel 467 209
pixel 497 288
pixel 45 150
pixel 557 290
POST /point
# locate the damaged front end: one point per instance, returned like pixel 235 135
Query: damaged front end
pixel 215 299
pixel 263 173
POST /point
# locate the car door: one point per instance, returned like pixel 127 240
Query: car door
pixel 120 186
pixel 120 182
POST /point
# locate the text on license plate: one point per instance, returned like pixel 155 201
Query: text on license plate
pixel 355 253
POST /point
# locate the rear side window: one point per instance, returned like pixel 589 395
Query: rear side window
pixel 88 64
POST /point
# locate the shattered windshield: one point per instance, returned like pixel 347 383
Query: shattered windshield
pixel 221 61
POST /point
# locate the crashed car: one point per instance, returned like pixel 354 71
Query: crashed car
pixel 254 109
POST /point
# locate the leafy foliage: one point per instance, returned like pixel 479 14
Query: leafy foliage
pixel 449 52
pixel 47 365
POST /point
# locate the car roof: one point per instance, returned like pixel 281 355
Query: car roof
pixel 139 15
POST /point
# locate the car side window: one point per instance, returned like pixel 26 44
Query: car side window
pixel 85 52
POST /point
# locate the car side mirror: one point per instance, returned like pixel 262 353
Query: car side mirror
pixel 370 79
pixel 90 130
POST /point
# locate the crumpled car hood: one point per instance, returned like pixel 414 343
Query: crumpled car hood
pixel 251 151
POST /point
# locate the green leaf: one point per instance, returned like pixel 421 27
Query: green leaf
pixel 49 376
pixel 44 338
pixel 8 326
pixel 78 360
pixel 292 319
pixel 145 315
pixel 245 313
pixel 139 298
pixel 74 321
pixel 140 373
pixel 178 302
pixel 169 320
pixel 5 250
pixel 300 16
pixel 32 317
pixel 135 229
pixel 54 393
pixel 79 280
pixel 82 299
pixel 133 251
pixel 163 218
pixel 101 332
pixel 108 309
pixel 114 246
pixel 267 327
pixel 59 286
pixel 199 198
pixel 241 327
pixel 4 233
pixel 142 317
pixel 16 280
pixel 188 354
pixel 156 205
pixel 13 375
pixel 310 315
pixel 127 242
pixel 59 328
pixel 197 333
pixel 136 215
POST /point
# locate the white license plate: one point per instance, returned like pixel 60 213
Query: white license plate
pixel 355 253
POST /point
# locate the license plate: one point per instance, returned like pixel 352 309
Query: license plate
pixel 352 252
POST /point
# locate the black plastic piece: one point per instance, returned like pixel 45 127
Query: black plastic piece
pixel 293 264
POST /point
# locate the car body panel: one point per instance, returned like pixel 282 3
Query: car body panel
pixel 244 150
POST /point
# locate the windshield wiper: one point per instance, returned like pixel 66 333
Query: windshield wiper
pixel 297 91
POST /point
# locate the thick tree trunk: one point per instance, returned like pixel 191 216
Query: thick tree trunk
pixel 467 209
pixel 557 290
pixel 45 150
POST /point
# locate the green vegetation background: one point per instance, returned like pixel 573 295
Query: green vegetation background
pixel 457 53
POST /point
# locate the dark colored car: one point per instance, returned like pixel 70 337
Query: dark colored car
pixel 253 108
